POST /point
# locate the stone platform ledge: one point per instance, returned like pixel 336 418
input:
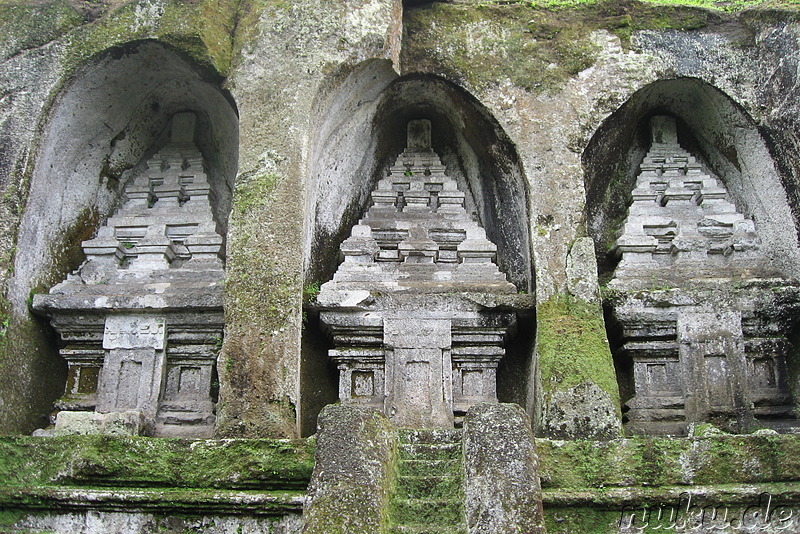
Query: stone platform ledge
pixel 784 493
pixel 146 465
pixel 366 300
pixel 198 299
pixel 689 290
pixel 193 501
pixel 635 464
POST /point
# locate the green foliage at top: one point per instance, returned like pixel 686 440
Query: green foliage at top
pixel 310 292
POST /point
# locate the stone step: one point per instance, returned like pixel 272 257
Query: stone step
pixel 425 451
pixel 419 512
pixel 427 529
pixel 429 487
pixel 431 436
pixel 429 467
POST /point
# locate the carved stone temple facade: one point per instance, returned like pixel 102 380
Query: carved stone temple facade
pixel 408 339
pixel 399 266
pixel 717 352
pixel 141 320
pixel 681 223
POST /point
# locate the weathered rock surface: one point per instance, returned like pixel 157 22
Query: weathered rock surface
pixel 581 271
pixel 260 370
pixel 581 410
pixel 115 424
pixel 546 108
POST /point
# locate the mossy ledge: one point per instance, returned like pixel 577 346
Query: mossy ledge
pixel 597 487
pixel 667 461
pixel 580 478
pixel 136 462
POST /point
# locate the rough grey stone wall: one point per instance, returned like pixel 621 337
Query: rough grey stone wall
pixel 139 523
pixel 29 71
pixel 286 63
pixel 298 71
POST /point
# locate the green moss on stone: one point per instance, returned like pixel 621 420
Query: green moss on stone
pixel 106 461
pixel 351 489
pixel 427 487
pixel 534 45
pixel 583 520
pixel 10 517
pixel 203 30
pixel 426 512
pixel 27 25
pixel 254 189
pixel 659 462
pixel 33 375
pixel 28 357
pixel 267 291
pixel 668 462
pixel 714 5
pixel 249 14
pixel 263 295
pixel 484 45
pixel 572 346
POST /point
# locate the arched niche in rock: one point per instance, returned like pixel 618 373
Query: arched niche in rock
pixel 362 125
pixel 681 184
pixel 362 132
pixel 109 119
pixel 104 123
pixel 711 126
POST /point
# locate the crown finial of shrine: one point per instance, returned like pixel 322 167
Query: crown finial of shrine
pixel 419 136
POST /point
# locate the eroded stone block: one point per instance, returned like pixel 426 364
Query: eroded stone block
pixel 354 455
pixel 124 423
pixel 501 484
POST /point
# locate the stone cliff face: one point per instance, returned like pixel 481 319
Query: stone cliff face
pixel 539 113
pixel 551 80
